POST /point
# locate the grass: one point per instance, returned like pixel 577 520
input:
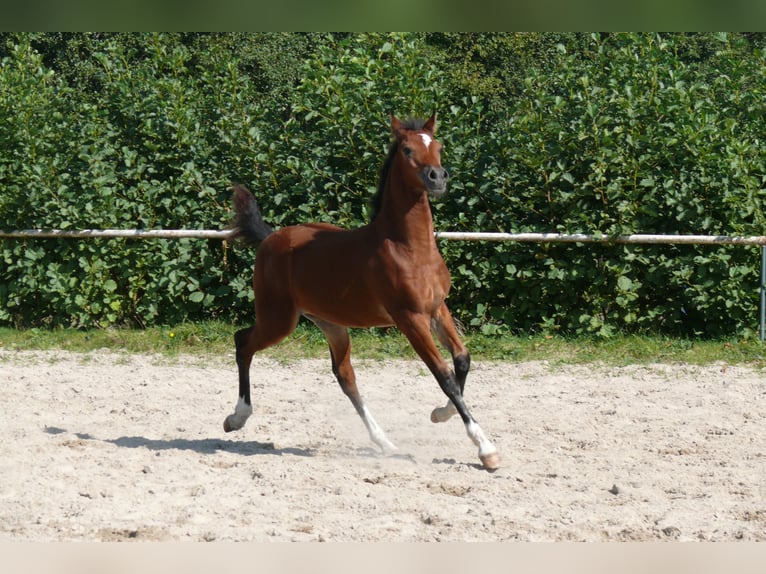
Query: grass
pixel 215 339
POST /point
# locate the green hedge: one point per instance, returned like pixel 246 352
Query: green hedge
pixel 622 133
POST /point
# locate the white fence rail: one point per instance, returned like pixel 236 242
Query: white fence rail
pixel 583 238
pixel 117 233
pixel 450 235
pixel 453 235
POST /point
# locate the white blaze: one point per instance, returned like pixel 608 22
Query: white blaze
pixel 426 140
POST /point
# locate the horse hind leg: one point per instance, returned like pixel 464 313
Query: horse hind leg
pixel 244 356
pixel 270 328
pixel 340 352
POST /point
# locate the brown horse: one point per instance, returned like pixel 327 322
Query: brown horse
pixel 388 272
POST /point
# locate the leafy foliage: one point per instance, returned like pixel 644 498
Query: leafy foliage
pixel 624 138
pixel 612 133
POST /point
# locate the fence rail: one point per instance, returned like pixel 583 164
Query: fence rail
pixel 118 233
pixel 583 238
pixel 450 235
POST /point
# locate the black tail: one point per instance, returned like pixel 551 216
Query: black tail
pixel 247 223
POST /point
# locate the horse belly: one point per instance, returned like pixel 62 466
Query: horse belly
pixel 340 299
pixel 347 317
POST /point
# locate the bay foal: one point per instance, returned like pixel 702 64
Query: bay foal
pixel 388 272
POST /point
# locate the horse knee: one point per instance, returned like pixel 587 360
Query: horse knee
pixel 462 365
pixel 449 384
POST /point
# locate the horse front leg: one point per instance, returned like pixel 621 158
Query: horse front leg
pixel 416 327
pixel 443 326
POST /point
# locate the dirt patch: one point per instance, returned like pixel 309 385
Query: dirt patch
pixel 114 447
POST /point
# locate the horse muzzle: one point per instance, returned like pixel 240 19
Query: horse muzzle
pixel 435 179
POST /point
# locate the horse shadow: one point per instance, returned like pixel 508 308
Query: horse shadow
pixel 208 446
pixel 200 446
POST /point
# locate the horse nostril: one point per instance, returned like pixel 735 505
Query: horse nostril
pixel 436 174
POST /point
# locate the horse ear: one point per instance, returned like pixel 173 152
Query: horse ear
pixel 430 125
pixel 396 126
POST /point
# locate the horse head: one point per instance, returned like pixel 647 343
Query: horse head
pixel 421 154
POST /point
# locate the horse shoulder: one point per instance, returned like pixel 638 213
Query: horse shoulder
pixel 421 278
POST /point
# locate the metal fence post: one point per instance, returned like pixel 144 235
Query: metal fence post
pixel 763 291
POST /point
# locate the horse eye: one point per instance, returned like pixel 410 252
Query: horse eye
pixel 407 151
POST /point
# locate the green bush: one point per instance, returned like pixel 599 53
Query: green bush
pixel 151 148
pixel 612 134
pixel 625 138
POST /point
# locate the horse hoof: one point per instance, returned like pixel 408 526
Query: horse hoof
pixel 440 415
pixel 227 425
pixel 490 461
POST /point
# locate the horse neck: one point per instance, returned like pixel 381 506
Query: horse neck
pixel 405 215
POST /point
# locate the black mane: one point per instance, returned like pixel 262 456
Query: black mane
pixel 414 124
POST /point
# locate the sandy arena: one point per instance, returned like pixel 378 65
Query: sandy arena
pixel 106 446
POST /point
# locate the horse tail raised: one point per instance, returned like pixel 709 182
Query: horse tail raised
pixel 248 223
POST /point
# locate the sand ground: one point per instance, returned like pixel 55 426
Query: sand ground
pixel 105 446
